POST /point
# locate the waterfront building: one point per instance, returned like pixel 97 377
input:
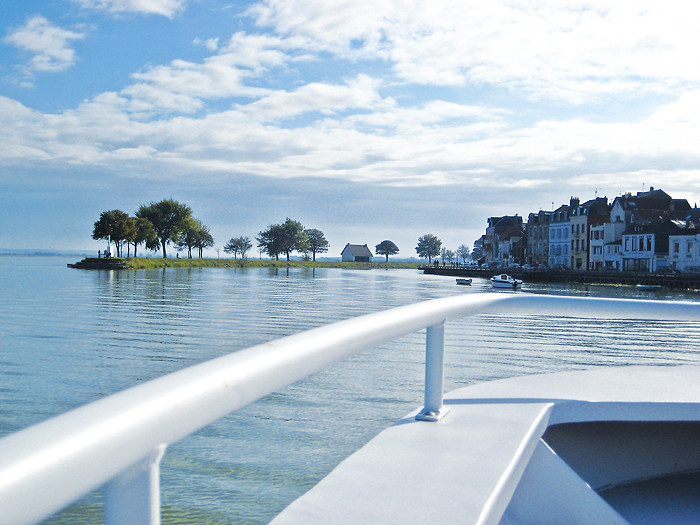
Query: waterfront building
pixel 511 247
pixel 647 207
pixel 498 227
pixel 559 236
pixel 684 246
pixel 581 217
pixel 537 233
pixel 647 247
pixel 684 251
pixel 356 253
pixel 612 255
pixel 478 250
pixel 604 246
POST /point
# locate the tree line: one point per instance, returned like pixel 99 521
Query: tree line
pixel 154 225
pixel 158 224
pixel 429 246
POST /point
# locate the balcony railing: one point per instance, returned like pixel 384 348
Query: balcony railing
pixel 117 442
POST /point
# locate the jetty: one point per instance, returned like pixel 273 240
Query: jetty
pixel 670 281
pixel 100 263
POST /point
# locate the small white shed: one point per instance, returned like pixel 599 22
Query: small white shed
pixel 356 253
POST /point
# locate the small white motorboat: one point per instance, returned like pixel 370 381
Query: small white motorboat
pixel 462 280
pixel 648 287
pixel 505 281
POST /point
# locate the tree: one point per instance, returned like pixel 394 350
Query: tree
pixel 144 233
pixel 386 248
pixel 271 240
pixel 232 247
pixel 168 218
pixel 203 238
pixel 317 242
pixel 238 245
pixel 463 253
pixel 428 246
pixel 187 237
pixel 244 244
pixel 115 226
pixel 447 255
pixel 295 238
pixel 283 238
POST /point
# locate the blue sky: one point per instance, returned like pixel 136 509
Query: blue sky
pixel 369 120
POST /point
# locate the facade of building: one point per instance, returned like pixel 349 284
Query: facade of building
pixel 582 217
pixel 498 227
pixel 356 253
pixel 636 233
pixel 684 251
pixel 559 237
pixel 537 234
pixel 647 247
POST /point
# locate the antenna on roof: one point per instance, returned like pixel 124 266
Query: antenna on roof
pixel 595 191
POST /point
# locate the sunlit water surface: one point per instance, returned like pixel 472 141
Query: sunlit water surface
pixel 69 337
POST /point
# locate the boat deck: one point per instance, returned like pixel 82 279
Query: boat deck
pixel 575 447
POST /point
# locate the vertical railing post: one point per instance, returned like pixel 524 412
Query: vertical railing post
pixel 433 409
pixel 133 497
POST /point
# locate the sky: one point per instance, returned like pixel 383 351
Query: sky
pixel 368 120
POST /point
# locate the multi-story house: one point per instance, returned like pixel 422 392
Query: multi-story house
pixel 559 236
pixel 612 255
pixel 647 207
pixel 537 232
pixel 647 247
pixel 511 247
pixel 604 246
pixel 581 218
pixel 497 227
pixel 684 251
pixel 684 247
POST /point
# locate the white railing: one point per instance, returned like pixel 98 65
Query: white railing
pixel 118 441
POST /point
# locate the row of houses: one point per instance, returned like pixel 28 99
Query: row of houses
pixel 646 232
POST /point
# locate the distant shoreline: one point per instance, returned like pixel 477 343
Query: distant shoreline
pixel 145 263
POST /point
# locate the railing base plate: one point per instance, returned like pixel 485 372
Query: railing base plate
pixel 432 416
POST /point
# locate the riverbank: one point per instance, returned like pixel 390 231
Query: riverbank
pixel 678 281
pixel 145 263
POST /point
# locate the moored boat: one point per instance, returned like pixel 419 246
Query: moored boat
pixel 462 280
pixel 649 287
pixel 505 281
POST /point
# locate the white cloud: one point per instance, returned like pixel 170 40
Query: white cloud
pixel 167 8
pixel 181 85
pixel 212 44
pixel 48 43
pixel 360 93
pixel 574 51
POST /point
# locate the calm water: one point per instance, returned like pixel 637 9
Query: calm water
pixel 72 336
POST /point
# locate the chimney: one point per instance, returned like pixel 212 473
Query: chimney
pixel 574 202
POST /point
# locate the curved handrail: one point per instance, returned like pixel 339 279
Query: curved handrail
pixel 49 465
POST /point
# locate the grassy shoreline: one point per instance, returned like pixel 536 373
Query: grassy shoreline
pixel 145 263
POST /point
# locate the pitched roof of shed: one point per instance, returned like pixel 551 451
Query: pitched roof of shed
pixel 358 250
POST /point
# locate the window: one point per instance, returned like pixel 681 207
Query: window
pixel 627 244
pixel 649 249
pixel 634 244
pixel 676 247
